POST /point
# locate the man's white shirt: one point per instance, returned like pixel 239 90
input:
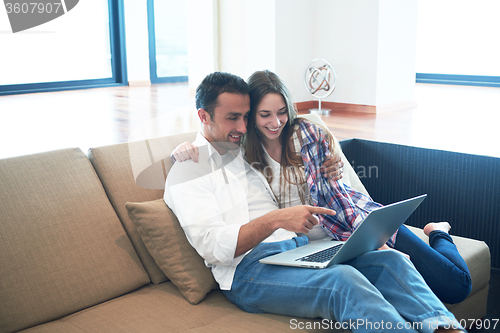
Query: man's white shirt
pixel 212 200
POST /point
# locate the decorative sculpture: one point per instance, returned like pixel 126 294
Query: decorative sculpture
pixel 320 79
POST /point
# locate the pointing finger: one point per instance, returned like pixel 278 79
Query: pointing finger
pixel 322 210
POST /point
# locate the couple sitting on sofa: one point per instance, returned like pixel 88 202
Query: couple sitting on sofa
pixel 236 220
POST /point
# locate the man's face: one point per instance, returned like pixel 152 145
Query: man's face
pixel 229 122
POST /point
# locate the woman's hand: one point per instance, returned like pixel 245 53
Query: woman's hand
pixel 185 151
pixel 333 168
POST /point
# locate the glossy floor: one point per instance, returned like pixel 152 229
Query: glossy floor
pixel 456 118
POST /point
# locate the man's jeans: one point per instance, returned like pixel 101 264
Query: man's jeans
pixel 378 291
pixel 440 264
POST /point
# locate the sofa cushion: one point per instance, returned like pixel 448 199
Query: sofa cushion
pixel 166 242
pixel 62 246
pixel 161 308
pixel 136 172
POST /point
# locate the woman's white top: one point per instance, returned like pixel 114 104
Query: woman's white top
pixel 291 197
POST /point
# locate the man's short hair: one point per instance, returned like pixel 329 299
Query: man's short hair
pixel 213 85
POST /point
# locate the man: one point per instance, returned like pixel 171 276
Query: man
pixel 230 217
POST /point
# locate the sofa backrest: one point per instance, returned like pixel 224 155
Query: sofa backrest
pixel 62 246
pixel 136 172
pixel 463 189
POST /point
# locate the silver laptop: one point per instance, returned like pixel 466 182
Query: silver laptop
pixel 375 230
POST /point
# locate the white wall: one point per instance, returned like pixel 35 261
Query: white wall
pixel 296 43
pixel 247 36
pixel 348 40
pixel 396 53
pixel 370 43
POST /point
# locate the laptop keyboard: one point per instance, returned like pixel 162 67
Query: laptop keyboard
pixel 321 256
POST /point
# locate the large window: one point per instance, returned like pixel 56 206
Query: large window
pixel 78 49
pixel 458 42
pixel 168 40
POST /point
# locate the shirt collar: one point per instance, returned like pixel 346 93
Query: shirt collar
pixel 210 153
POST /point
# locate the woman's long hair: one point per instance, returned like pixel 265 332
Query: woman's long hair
pixel 262 83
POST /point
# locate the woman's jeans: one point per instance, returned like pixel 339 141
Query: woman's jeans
pixel 440 264
pixel 376 292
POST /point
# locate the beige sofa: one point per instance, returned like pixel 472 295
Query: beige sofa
pixel 74 259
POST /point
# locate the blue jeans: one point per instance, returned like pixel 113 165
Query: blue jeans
pixel 440 264
pixel 377 288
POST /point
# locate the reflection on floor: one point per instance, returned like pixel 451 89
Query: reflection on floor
pixel 455 118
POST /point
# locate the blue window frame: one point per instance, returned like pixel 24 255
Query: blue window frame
pixel 467 80
pixel 118 62
pixel 168 64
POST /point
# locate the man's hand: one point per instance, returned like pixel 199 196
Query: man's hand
pixel 185 151
pixel 299 219
pixel 333 168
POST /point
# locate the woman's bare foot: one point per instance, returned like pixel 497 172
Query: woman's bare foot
pixel 442 226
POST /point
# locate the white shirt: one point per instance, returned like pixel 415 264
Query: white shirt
pixel 212 200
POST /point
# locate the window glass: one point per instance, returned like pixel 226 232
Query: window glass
pixel 458 37
pixel 74 46
pixel 170 18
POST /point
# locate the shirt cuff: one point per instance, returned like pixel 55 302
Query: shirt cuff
pixel 225 245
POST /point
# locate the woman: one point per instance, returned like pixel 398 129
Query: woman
pixel 288 151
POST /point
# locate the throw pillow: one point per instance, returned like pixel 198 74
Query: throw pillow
pixel 166 242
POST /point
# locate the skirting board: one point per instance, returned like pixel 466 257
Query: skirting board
pixel 139 83
pixel 346 107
